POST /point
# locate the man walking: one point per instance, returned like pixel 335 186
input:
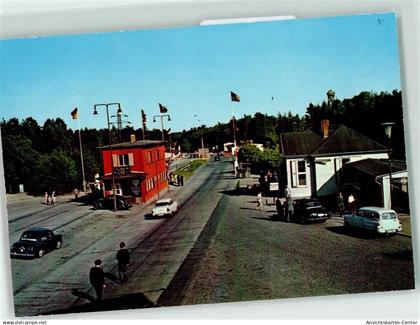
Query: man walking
pixel 279 208
pixel 259 202
pixel 340 203
pixel 123 258
pixel 97 279
pixel 352 203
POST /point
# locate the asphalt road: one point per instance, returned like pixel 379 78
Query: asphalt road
pixel 217 248
pixel 59 281
pixel 244 254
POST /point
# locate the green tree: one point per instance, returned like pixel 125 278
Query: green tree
pixel 19 159
pixel 54 171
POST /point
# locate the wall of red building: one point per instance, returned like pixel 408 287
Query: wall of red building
pixel 153 168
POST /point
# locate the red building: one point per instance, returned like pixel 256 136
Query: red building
pixel 139 169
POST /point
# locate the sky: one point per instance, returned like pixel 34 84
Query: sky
pixel 275 67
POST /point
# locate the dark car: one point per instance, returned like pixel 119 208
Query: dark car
pixel 306 210
pixel 108 203
pixel 35 242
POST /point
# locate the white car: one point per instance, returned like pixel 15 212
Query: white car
pixel 374 219
pixel 165 207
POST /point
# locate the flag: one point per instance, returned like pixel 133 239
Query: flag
pixel 143 117
pixel 234 97
pixel 74 114
pixel 162 108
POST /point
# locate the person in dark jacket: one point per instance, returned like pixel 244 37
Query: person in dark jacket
pixel 97 279
pixel 279 208
pixel 123 258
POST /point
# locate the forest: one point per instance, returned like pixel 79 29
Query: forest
pixel 47 157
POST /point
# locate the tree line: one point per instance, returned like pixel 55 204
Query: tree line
pixel 47 157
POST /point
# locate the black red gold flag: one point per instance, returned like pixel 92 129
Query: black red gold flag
pixel 234 97
pixel 74 114
pixel 162 108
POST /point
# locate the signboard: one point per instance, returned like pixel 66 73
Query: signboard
pixel 118 171
pixel 274 186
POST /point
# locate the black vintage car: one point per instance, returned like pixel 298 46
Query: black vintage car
pixel 108 203
pixel 306 210
pixel 35 242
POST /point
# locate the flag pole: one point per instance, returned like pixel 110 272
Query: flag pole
pixel 236 164
pixel 81 156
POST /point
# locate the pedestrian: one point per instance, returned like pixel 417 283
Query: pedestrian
pixel 177 179
pixel 76 193
pixel 46 198
pixel 182 180
pixel 53 198
pixel 97 279
pixel 290 209
pixel 259 202
pixel 49 200
pixel 286 192
pixel 340 203
pixel 352 203
pixel 123 258
pixel 279 208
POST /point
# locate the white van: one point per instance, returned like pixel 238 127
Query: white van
pixel 374 219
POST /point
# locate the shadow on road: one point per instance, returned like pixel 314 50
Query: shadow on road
pixel 83 295
pixel 112 277
pixel 341 230
pixel 149 216
pixel 268 218
pixel 131 301
pixel 406 255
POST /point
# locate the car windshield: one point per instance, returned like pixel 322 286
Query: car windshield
pixel 29 236
pixel 389 216
pixel 313 204
pixel 162 204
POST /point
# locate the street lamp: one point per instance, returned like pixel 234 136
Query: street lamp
pixel 119 111
pixel 161 122
pixel 388 129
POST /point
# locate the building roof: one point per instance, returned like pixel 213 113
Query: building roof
pixel 299 143
pixel 344 140
pixel 377 167
pixel 135 144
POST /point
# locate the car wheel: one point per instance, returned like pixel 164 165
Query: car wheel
pixel 98 206
pixel 41 253
pixel 58 245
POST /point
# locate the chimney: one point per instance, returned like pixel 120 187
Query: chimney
pixel 133 138
pixel 325 124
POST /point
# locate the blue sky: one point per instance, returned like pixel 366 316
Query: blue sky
pixel 275 67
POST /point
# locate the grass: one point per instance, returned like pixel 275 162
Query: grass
pixel 189 170
pixel 406 225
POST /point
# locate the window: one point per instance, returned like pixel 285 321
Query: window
pixel 298 173
pixel 125 159
pixel 148 157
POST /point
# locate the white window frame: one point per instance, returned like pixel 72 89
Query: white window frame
pixel 294 173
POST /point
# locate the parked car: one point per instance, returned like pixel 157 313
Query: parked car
pixel 165 207
pixel 306 210
pixel 35 242
pixel 374 219
pixel 108 203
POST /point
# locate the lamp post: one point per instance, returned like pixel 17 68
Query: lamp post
pixel 388 129
pixel 119 111
pixel 161 122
